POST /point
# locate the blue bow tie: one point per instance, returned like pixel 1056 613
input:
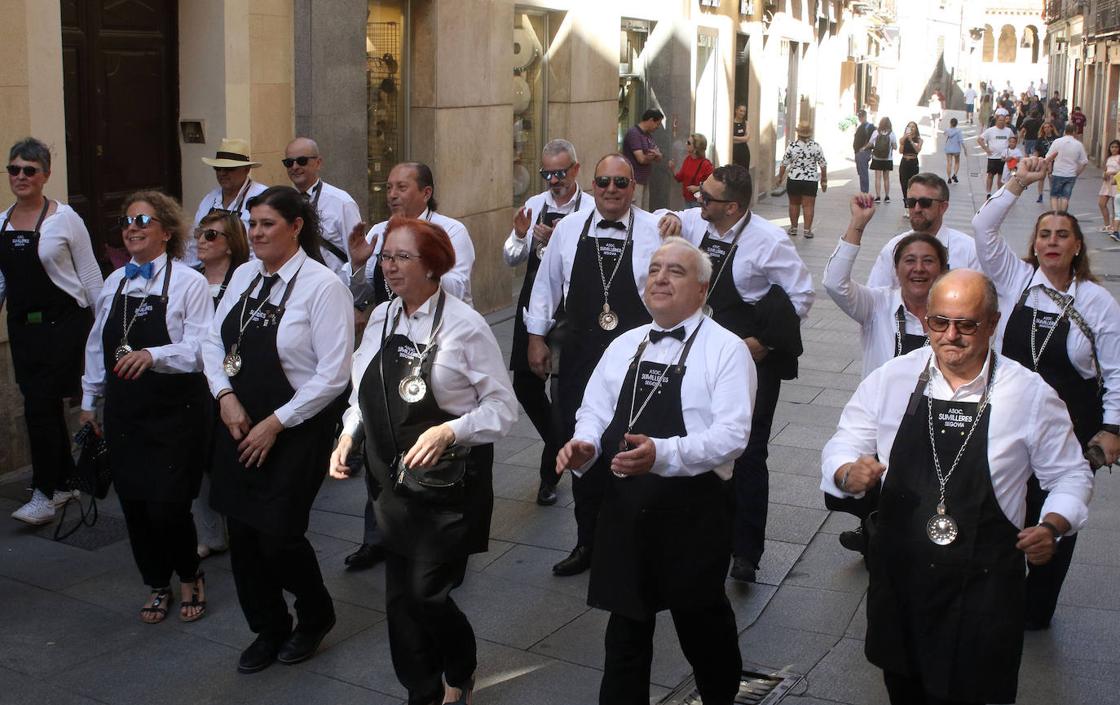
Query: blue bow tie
pixel 147 270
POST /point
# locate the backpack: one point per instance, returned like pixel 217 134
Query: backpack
pixel 882 148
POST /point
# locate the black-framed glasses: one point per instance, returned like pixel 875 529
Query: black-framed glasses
pixel 302 161
pixel 558 174
pixel 922 202
pixel 619 181
pixel 142 221
pixel 28 171
pixel 705 198
pixel 208 234
pixel 399 258
pixel 940 324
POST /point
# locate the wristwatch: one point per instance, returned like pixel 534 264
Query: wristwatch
pixel 1053 529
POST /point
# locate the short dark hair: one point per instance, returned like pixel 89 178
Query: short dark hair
pixel 928 178
pixel 32 150
pixel 932 241
pixel 952 122
pixel 432 241
pixel 424 179
pixel 291 204
pixel 737 184
pixel 861 113
pixel 653 114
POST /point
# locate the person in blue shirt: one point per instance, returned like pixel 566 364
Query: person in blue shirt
pixel 954 146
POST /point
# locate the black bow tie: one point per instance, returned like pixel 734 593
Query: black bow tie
pixel 656 336
pixel 617 225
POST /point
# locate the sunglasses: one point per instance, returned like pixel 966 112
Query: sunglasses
pixel 923 202
pixel 302 161
pixel 28 171
pixel 705 198
pixel 558 174
pixel 940 324
pixel 399 258
pixel 209 234
pixel 619 181
pixel 224 211
pixel 142 221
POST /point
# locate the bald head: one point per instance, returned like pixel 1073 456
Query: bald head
pixel 962 316
pixel 966 287
pixel 303 149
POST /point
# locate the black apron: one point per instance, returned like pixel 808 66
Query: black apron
pixel 155 425
pixel 46 326
pixel 740 152
pixel 585 341
pixel 225 285
pixel 660 542
pixel 952 615
pixel 275 498
pixel 905 343
pixel 411 527
pixel 728 308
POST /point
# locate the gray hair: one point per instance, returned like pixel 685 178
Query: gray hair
pixel 560 146
pixel 32 150
pixel 703 262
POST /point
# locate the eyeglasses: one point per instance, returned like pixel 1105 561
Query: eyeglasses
pixel 224 211
pixel 619 181
pixel 142 221
pixel 399 258
pixel 940 324
pixel 923 202
pixel 209 234
pixel 705 198
pixel 302 161
pixel 558 174
pixel 28 171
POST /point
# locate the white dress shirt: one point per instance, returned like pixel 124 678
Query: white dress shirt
pixel 765 256
pixel 456 282
pixel 214 200
pixel 1096 305
pixel 338 214
pixel 66 254
pixel 469 377
pixel 516 249
pixel 555 274
pixel 1029 431
pixel 1069 156
pixel 874 308
pixel 962 255
pixel 716 392
pixel 189 312
pixel 315 339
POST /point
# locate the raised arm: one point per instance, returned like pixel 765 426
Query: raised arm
pixel 996 258
pixel 852 297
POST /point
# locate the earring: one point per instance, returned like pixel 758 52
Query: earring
pixel 430 276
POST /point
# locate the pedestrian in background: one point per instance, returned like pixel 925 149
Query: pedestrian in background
pixel 882 145
pixel 695 168
pixel 1078 119
pixel 640 149
pixel 1046 137
pixel 806 167
pixel 1108 187
pixel 910 146
pixel 969 103
pixel 862 156
pixel 954 147
pixel 1067 159
pixel 740 150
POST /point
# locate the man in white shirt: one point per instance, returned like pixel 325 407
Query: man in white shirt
pixel 994 141
pixel 663 418
pixel 231 169
pixel 945 610
pixel 1067 159
pixel 969 102
pixel 338 212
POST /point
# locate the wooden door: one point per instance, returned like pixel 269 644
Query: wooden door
pixel 121 78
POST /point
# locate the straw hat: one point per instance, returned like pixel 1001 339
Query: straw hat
pixel 232 153
pixel 804 128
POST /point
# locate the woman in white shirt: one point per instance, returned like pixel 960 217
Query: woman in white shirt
pixel 1060 323
pixel 430 387
pixel 49 279
pixel 142 357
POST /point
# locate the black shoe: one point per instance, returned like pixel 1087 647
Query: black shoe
pixel 743 571
pixel 365 557
pixel 260 655
pixel 854 540
pixel 577 561
pixel 1033 625
pixel 546 494
pixel 301 645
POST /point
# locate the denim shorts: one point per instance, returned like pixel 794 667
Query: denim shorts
pixel 1061 186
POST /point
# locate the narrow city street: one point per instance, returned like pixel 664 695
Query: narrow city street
pixel 71 634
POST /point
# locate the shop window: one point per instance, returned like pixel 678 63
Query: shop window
pixel 386 98
pixel 530 45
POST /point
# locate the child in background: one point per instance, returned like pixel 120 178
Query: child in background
pixel 1115 234
pixel 1011 157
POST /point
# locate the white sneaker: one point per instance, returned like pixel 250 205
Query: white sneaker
pixel 37 512
pixel 61 497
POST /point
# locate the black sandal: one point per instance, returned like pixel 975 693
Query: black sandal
pixel 158 608
pixel 196 603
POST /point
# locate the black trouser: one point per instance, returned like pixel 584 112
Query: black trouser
pixel 429 636
pixel 1044 582
pixel 708 639
pixel 51 462
pixel 905 690
pixel 751 476
pixel 163 540
pixel 907 169
pixel 264 566
pixel 371 534
pixel 530 392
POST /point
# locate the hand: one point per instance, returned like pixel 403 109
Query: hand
pixel 669 225
pixel 337 466
pixel 255 446
pixel 1038 543
pixel 672 166
pixel 655 153
pixel 542 233
pixel 89 417
pixel 1030 170
pixel 540 357
pixel 133 364
pixel 425 452
pixel 234 416
pixel 521 222
pixel 758 350
pixel 824 186
pixel 639 459
pixel 1109 443
pixel 862 474
pixel 360 250
pixel 575 454
pixel 862 207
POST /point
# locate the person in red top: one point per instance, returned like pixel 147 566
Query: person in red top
pixel 1078 118
pixel 694 170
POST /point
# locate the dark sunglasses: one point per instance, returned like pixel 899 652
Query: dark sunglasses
pixel 923 202
pixel 705 198
pixel 224 211
pixel 209 234
pixel 619 181
pixel 302 161
pixel 940 324
pixel 142 221
pixel 558 174
pixel 28 171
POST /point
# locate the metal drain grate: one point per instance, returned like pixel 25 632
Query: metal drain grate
pixel 754 689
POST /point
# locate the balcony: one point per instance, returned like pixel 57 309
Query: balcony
pixel 1105 17
pixel 1064 9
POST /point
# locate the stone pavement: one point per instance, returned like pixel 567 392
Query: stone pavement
pixel 70 634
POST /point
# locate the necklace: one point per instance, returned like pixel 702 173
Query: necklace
pixel 608 319
pixel 231 363
pixel 413 388
pixel 900 318
pixel 124 348
pixel 1037 355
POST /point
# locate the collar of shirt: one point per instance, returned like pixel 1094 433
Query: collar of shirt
pixel 567 207
pixel 596 231
pixel 939 387
pixel 142 284
pixel 1040 279
pixel 729 235
pixel 669 349
pixel 896 301
pixel 311 189
pixel 288 270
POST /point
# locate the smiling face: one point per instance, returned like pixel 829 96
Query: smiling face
pixel 27 187
pixel 917 268
pixel 740 113
pixel 407 278
pixel 614 202
pixel 303 177
pixel 216 250
pixel 274 240
pixel 144 244
pixel 404 194
pixel 561 188
pixel 673 292
pixel 1056 244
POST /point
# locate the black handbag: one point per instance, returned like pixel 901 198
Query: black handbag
pixel 91 477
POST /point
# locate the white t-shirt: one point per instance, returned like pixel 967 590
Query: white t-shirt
pixel 1010 153
pixel 1069 156
pixel 970 96
pixel 996 140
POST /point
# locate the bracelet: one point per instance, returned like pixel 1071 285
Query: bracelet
pixel 1015 178
pixel 1053 529
pixel 223 393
